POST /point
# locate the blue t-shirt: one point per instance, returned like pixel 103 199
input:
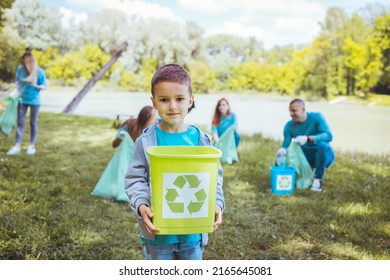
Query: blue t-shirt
pixel 190 137
pixel 28 94
pixel 315 124
pixel 225 123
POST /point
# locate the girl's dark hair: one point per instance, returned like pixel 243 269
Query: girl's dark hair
pixel 217 114
pixel 137 125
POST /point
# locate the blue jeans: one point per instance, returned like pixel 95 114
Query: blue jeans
pixel 176 251
pixel 22 111
pixel 320 158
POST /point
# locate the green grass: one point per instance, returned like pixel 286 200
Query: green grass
pixel 47 212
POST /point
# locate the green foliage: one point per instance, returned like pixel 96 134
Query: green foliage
pixel 382 33
pixel 11 50
pixel 47 211
pixel 38 25
pixel 350 56
pixel 203 78
pixel 146 71
pixel 45 58
pixel 5 4
pixel 74 65
pixel 128 81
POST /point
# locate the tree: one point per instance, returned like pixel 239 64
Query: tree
pixel 382 34
pixel 105 28
pixel 11 50
pixel 203 78
pixel 39 26
pixel 77 99
pixel 5 4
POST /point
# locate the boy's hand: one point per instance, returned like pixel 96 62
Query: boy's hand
pixel 147 215
pixel 218 217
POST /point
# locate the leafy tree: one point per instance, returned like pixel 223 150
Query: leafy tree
pixel 253 76
pixel 320 73
pixel 163 40
pixel 39 26
pixel 203 78
pixel 5 4
pixel 146 71
pixel 195 37
pixel 11 50
pixel 75 65
pixel 279 55
pixel 44 58
pixel 128 80
pixel 382 34
pixel 364 63
pixel 105 28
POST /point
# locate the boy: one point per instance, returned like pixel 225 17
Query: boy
pixel 172 98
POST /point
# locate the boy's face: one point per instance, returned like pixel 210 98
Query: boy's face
pixel 172 101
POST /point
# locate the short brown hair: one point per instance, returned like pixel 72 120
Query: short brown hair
pixel 172 73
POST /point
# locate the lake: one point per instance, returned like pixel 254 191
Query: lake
pixel 355 127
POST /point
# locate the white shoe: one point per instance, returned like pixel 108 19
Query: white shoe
pixel 14 150
pixel 316 185
pixel 31 150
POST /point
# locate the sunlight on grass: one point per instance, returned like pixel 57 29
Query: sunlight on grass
pixel 385 229
pixel 86 237
pixel 295 246
pixel 47 211
pixel 358 209
pixel 347 251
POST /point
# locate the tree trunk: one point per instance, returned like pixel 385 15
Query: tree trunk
pixel 77 99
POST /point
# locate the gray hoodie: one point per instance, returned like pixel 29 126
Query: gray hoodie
pixel 137 180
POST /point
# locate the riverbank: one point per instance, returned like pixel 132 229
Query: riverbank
pixel 356 127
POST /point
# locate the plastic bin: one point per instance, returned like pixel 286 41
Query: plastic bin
pixel 184 187
pixel 282 180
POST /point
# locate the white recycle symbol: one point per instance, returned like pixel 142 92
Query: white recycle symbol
pixel 186 194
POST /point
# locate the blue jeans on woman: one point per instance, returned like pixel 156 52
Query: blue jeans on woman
pixel 22 112
pixel 176 251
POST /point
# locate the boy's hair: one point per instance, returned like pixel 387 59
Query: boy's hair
pixel 172 73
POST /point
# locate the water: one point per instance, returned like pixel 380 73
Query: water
pixel 355 127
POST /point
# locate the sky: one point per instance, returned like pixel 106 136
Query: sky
pixel 274 22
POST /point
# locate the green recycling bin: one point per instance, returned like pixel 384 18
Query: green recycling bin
pixel 184 188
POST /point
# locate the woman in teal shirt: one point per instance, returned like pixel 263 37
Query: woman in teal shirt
pixel 30 80
pixel 223 119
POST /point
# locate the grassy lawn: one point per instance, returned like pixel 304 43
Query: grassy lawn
pixel 47 212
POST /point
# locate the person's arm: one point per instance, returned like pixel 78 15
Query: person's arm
pixel 119 135
pixel 147 215
pixel 286 136
pixel 214 132
pixel 41 81
pixel 137 186
pixel 17 78
pixel 235 122
pixel 324 133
